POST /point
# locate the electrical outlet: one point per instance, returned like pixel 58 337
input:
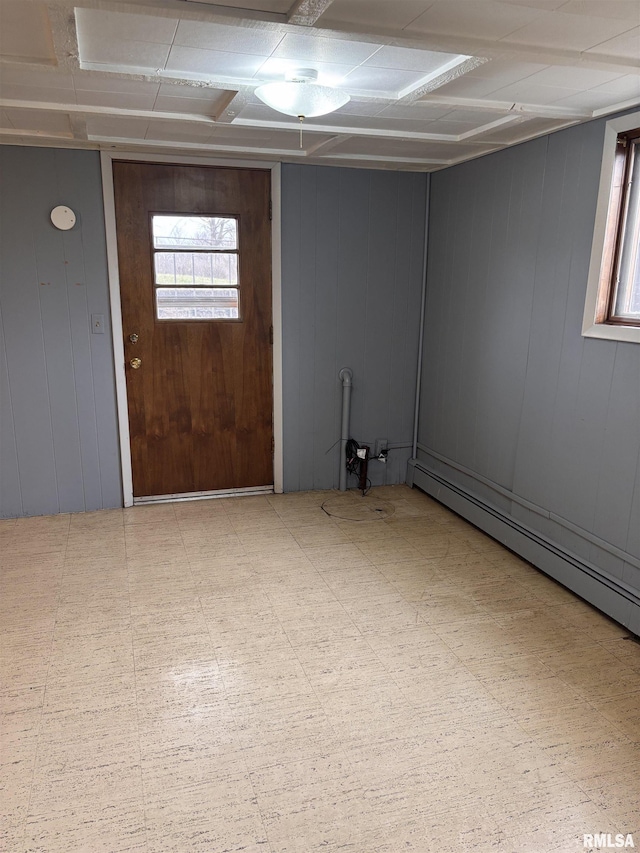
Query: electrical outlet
pixel 381 449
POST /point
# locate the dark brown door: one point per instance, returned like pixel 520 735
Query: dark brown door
pixel 194 254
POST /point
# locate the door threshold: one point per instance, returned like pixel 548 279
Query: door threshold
pixel 203 496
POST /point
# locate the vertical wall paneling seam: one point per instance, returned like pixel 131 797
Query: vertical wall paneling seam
pixel 98 467
pixel 631 527
pixel 528 365
pixel 364 379
pixel 396 309
pixel 556 408
pixel 46 362
pixel 604 446
pixel 12 409
pixel 338 410
pixel 73 362
pixel 423 300
pixel 72 337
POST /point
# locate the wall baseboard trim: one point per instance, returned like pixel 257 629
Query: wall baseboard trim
pixel 610 595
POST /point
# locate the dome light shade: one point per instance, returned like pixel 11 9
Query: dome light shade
pixel 299 95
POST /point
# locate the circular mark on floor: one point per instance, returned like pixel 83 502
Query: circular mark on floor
pixel 352 506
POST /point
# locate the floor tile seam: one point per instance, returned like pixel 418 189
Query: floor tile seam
pixel 143 796
pixel 633 667
pixel 225 696
pixel 39 734
pixel 595 710
pixel 584 694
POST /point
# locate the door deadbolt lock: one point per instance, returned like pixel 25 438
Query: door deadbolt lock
pixel 133 338
pixel 135 363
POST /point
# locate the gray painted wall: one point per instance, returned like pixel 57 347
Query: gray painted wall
pixel 511 390
pixel 58 424
pixel 351 287
pixel 352 249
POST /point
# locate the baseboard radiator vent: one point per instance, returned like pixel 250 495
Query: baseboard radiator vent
pixel 612 596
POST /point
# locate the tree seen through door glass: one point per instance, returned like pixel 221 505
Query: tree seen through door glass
pixel 194 232
pixel 197 279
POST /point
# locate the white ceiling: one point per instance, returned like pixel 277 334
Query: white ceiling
pixel 432 82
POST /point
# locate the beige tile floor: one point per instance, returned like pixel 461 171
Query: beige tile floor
pixel 254 675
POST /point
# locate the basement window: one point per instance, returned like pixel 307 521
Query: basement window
pixel 612 309
pixel 195 267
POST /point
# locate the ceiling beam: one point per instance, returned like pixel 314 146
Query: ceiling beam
pixel 514 111
pixel 307 12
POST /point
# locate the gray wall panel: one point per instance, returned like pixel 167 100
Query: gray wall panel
pixel 534 407
pixel 352 272
pixel 61 387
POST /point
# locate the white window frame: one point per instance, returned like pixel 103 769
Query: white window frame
pixel 590 328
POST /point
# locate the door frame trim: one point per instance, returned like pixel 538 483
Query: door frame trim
pixel 106 162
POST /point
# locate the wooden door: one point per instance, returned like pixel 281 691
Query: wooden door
pixel 194 255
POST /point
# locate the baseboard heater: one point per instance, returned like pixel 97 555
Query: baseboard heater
pixel 610 595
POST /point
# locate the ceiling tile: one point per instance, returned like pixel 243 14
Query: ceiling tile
pixel 186 131
pixel 312 49
pixel 530 93
pixel 568 76
pixel 626 45
pixel 39 120
pixel 117 127
pixel 116 99
pixel 508 69
pixel 377 123
pixel 361 108
pixel 570 32
pixel 42 79
pixel 488 19
pixel 377 13
pixel 247 136
pixel 284 139
pixel 97 26
pixel 125 54
pixel 206 106
pixel 417 110
pixel 280 6
pixel 468 86
pixel 173 90
pixel 406 59
pixel 213 63
pixel 590 100
pixel 329 73
pixel 627 9
pixel 380 80
pixel 622 88
pixel 33 93
pixel 473 118
pixel 546 5
pixel 92 82
pixel 516 132
pixel 207 36
pixel 25 32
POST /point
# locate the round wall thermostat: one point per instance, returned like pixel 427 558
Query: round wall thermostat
pixel 63 217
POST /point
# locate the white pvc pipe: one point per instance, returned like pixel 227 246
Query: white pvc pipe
pixel 346 375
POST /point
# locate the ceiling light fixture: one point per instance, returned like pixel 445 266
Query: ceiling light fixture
pixel 299 95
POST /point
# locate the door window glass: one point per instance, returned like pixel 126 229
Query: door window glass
pixel 195 267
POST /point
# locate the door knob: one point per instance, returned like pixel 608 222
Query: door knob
pixel 135 363
pixel 133 338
